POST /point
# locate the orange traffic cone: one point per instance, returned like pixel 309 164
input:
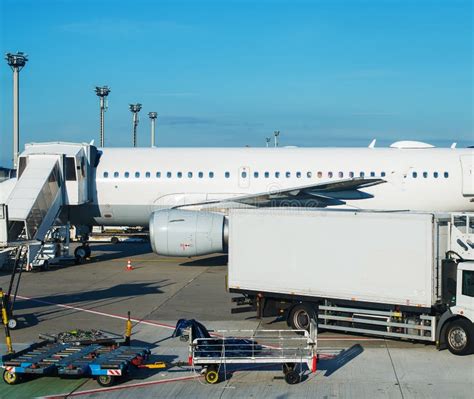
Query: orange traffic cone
pixel 129 265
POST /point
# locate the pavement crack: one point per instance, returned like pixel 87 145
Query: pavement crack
pixel 394 370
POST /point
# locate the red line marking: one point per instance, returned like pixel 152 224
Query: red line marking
pixel 121 387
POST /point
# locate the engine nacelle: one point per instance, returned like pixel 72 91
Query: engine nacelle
pixel 175 232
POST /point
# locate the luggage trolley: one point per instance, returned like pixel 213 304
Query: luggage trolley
pixel 104 362
pixel 293 349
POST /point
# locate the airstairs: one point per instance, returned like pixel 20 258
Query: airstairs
pixel 50 176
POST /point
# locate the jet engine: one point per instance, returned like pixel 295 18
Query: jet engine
pixel 175 232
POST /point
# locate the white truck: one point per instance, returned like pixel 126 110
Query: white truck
pixel 392 274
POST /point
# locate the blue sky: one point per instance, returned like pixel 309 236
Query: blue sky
pixel 228 73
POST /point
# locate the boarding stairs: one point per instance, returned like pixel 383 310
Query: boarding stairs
pixel 36 199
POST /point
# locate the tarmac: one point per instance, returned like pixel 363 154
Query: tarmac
pixel 159 291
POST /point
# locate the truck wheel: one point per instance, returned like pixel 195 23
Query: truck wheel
pixel 300 317
pixel 88 251
pixel 292 377
pixel 114 240
pixel 459 337
pixel 11 378
pixel 12 324
pixel 106 380
pixel 45 266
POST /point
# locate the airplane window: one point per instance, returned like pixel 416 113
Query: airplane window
pixel 137 174
pixel 320 174
pixel 200 175
pixel 255 174
pixel 382 174
pixel 329 174
pixel 168 174
pixel 277 174
pixel 147 175
pixel 351 174
pixel 190 174
pixel 244 174
pixel 298 174
pixel 446 175
pixel 435 175
pixel 227 175
pixel 127 175
pixel 341 174
pixel 267 175
pixel 309 175
pixel 362 174
pixel 106 174
pixel 414 174
pixel 211 174
pixel 116 174
pixel 179 174
pixel 288 174
pixel 372 174
pixel 158 174
pixel 425 174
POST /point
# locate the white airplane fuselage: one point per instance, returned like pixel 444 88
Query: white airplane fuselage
pixel 132 183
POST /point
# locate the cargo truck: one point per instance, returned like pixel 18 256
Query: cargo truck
pixel 391 274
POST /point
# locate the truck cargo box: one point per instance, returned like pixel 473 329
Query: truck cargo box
pixel 375 257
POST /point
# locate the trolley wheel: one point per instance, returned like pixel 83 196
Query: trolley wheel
pixel 12 324
pixel 212 375
pixel 106 380
pixel 292 377
pixel 11 378
pixel 287 367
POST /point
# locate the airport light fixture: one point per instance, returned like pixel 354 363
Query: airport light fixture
pixel 135 109
pixel 153 116
pixel 16 62
pixel 102 93
pixel 268 139
pixel 276 133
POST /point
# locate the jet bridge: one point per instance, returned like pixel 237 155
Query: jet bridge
pixel 50 176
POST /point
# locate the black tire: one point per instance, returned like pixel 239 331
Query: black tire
pixel 287 367
pixel 45 266
pixel 80 253
pixel 88 251
pixel 292 377
pixel 212 375
pixel 106 380
pixel 459 337
pixel 114 240
pixel 11 378
pixel 300 317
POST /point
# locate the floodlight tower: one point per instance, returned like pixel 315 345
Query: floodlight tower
pixel 268 139
pixel 135 109
pixel 102 93
pixel 276 133
pixel 153 116
pixel 16 62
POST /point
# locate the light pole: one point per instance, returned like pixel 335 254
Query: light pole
pixel 153 116
pixel 268 139
pixel 17 62
pixel 102 93
pixel 135 109
pixel 276 133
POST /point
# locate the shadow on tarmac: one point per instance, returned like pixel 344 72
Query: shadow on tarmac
pixel 219 260
pixel 333 364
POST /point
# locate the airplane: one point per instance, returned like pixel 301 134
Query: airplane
pixel 183 194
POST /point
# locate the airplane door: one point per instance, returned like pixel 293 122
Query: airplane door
pixel 244 177
pixel 467 165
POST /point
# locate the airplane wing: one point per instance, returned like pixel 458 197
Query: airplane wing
pixel 318 195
